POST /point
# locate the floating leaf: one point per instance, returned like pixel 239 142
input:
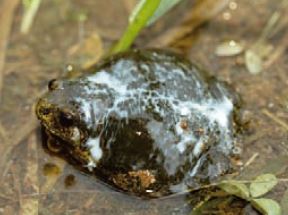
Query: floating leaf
pixel 284 201
pixel 262 184
pixel 267 206
pixel 229 48
pixel 253 61
pixel 235 188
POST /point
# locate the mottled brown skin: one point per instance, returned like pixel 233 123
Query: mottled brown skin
pixel 59 119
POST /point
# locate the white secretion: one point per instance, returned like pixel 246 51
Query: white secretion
pixel 212 112
pixel 95 151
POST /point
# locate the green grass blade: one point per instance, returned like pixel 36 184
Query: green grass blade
pixel 144 11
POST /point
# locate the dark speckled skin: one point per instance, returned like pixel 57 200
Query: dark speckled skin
pixel 161 123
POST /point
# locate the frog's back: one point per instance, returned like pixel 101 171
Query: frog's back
pixel 166 99
pixel 152 70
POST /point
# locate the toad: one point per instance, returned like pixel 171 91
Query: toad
pixel 147 122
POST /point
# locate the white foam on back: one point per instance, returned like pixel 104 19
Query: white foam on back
pixel 95 149
pixel 168 102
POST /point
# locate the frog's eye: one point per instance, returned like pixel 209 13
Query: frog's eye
pixel 66 118
pixel 54 84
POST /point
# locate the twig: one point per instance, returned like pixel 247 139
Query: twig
pixel 251 160
pixel 6 18
pixel 276 119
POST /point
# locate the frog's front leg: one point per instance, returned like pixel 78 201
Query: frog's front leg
pixel 51 142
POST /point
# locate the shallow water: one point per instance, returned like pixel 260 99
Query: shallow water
pixel 34 59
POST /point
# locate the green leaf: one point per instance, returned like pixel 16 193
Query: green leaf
pixel 262 184
pixel 235 188
pixel 164 6
pixel 139 18
pixel 267 206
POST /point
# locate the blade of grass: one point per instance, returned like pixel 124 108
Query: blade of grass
pixel 31 9
pixel 143 12
pixel 7 9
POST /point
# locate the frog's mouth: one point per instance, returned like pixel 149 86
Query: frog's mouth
pixel 61 123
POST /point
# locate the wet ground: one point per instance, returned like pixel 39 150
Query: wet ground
pixel 79 32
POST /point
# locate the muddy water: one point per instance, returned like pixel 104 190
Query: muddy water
pixel 36 182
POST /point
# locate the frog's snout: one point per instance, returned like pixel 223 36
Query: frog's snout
pixel 60 123
pixel 50 113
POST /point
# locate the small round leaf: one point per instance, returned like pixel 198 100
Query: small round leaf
pixel 266 206
pixel 235 188
pixel 262 184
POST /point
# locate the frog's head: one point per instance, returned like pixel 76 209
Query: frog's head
pixel 60 112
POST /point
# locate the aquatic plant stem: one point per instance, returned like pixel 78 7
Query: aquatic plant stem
pixel 29 15
pixel 146 10
pixel 7 10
